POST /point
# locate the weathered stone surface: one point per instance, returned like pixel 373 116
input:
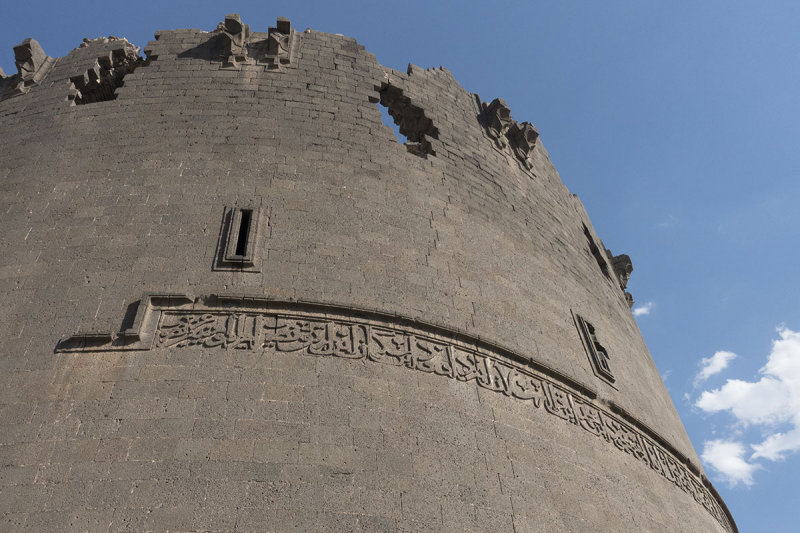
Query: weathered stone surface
pixel 115 59
pixel 32 64
pixel 234 38
pixel 390 343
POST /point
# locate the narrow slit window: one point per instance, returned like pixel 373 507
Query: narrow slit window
pixel 598 355
pixel 239 239
pixel 244 231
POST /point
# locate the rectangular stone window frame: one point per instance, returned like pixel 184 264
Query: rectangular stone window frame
pixel 588 334
pixel 239 241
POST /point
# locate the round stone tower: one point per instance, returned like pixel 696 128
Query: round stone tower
pixel 232 300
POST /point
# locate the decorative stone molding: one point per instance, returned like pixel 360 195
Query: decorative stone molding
pixel 138 329
pixel 506 132
pixel 164 321
pixel 234 38
pixel 623 267
pixel 523 141
pixel 240 48
pixel 279 44
pixel 498 117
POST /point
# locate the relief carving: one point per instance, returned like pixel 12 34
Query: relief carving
pixel 506 132
pixel 499 120
pixel 279 42
pixel 234 40
pixel 237 323
pixel 523 141
pixel 32 65
pixel 623 267
pixel 240 46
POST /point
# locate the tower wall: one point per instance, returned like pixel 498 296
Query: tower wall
pixel 405 347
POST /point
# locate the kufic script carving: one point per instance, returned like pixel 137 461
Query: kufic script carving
pixel 321 337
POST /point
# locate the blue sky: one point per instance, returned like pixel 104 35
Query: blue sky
pixel 677 124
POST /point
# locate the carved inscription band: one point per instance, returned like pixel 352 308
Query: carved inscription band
pixel 324 334
pixel 325 337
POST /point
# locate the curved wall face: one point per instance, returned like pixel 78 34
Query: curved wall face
pixel 232 300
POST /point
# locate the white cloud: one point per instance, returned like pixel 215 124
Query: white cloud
pixel 644 309
pixel 713 365
pixel 772 402
pixel 777 445
pixel 727 458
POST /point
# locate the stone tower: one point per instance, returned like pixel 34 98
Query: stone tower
pixel 232 300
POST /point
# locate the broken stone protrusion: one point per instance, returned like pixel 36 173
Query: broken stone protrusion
pixel 523 141
pixel 629 299
pixel 622 266
pixel 100 82
pixel 32 64
pixel 238 46
pixel 499 121
pixel 506 132
pixel 279 42
pixel 234 38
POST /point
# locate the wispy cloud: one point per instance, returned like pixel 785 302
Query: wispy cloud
pixel 644 309
pixel 727 458
pixel 670 221
pixel 772 402
pixel 713 365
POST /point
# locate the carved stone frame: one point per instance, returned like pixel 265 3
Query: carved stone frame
pixel 227 257
pixel 588 339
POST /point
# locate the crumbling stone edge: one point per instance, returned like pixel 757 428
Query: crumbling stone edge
pixel 238 322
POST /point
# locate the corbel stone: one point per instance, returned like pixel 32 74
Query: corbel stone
pixel 498 116
pixel 234 37
pixel 623 267
pixel 279 44
pixel 523 140
pixel 507 132
pixel 32 64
